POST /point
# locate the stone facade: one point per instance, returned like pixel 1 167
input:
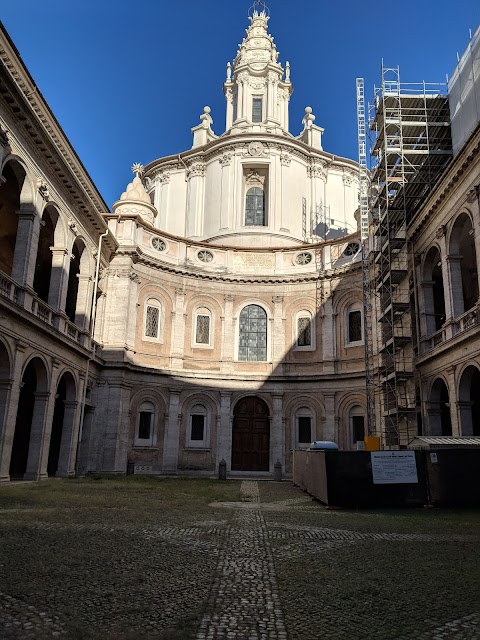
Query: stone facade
pixel 216 312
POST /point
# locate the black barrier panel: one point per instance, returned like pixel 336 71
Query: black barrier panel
pixel 453 476
pixel 350 483
pixel 344 479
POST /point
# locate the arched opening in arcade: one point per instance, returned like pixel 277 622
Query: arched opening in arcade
pixel 4 386
pixel 14 176
pixel 78 267
pixel 251 435
pixel 43 266
pixel 61 443
pixel 30 421
pixel 440 416
pixel 433 291
pixel 469 402
pixel 463 265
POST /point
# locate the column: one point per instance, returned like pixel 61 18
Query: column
pixel 26 245
pixel 277 433
pixel 12 397
pixel 116 427
pixel 427 315
pixel 224 433
pixel 59 279
pixel 463 415
pixel 195 199
pixel 172 433
pixel 178 333
pixel 328 333
pixel 454 305
pixel 164 187
pixel 330 424
pixel 82 310
pixel 278 335
pixel 452 400
pixel 225 196
pixel 228 335
pixel 40 435
pixel 229 116
pixel 68 444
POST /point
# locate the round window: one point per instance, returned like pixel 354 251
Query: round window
pixel 351 249
pixel 205 256
pixel 303 258
pixel 158 244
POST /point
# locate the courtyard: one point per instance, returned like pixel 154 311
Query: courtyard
pixel 176 559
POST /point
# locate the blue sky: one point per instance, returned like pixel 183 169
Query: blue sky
pixel 128 80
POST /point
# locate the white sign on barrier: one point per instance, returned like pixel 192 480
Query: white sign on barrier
pixel 394 467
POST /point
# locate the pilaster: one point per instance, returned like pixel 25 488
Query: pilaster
pixel 172 434
pixel 224 433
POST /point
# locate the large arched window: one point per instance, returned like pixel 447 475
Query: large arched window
pixel 252 335
pixel 255 207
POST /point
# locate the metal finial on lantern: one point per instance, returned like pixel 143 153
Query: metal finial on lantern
pixel 260 8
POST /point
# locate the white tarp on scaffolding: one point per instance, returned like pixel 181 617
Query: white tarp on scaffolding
pixel 464 93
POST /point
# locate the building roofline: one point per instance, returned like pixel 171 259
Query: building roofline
pixel 30 93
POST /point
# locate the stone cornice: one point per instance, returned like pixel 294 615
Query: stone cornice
pixel 239 142
pixel 139 257
pixel 26 93
pixel 464 160
pixel 226 247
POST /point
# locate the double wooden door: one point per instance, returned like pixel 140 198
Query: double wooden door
pixel 251 435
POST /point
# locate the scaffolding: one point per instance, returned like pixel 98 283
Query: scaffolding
pixel 410 146
pixel 368 306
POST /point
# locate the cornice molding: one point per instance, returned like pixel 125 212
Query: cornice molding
pixel 29 94
pixel 446 183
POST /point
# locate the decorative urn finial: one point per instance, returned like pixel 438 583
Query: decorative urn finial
pixel 135 199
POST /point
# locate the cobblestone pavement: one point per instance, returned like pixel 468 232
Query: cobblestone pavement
pixel 268 565
pixel 244 601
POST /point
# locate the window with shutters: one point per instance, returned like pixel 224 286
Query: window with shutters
pixel 252 334
pixel 257 107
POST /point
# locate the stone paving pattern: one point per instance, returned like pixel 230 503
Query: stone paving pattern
pixel 263 562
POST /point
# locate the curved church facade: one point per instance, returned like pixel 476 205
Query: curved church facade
pixel 232 319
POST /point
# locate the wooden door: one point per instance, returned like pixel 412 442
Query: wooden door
pixel 251 436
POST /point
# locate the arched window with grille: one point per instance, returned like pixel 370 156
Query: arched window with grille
pixel 304 336
pixel 152 320
pixel 202 328
pixel 252 334
pixel 255 207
